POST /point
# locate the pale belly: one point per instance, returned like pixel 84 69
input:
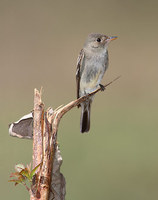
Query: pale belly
pixel 90 83
pixel 93 72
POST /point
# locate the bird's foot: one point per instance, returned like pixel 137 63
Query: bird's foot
pixel 102 88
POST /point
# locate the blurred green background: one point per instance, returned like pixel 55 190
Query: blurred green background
pixel 39 44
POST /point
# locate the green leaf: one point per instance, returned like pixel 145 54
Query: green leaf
pixel 34 170
pixel 25 173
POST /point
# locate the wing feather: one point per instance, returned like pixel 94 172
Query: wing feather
pixel 78 71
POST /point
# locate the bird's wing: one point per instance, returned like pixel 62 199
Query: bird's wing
pixel 78 70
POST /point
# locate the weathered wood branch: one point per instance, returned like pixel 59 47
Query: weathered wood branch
pixel 37 137
pixel 49 156
pixel 37 128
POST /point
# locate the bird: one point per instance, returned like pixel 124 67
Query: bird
pixel 92 63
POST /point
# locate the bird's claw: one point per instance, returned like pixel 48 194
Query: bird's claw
pixel 102 88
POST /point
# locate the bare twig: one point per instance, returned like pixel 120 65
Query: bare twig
pixel 99 89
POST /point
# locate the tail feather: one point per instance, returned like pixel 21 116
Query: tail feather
pixel 85 117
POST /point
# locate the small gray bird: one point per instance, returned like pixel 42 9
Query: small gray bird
pixel 91 65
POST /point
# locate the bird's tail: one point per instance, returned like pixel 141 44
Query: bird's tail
pixel 85 117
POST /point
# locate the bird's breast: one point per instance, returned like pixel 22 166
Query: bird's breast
pixel 93 72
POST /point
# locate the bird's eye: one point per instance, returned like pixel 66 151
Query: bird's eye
pixel 98 40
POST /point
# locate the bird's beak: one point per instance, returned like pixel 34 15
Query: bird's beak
pixel 112 38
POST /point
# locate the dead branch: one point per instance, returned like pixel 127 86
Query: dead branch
pixel 37 128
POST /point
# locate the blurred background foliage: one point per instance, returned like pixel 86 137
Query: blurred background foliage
pixel 39 44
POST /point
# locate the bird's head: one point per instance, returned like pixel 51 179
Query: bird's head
pixel 97 42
